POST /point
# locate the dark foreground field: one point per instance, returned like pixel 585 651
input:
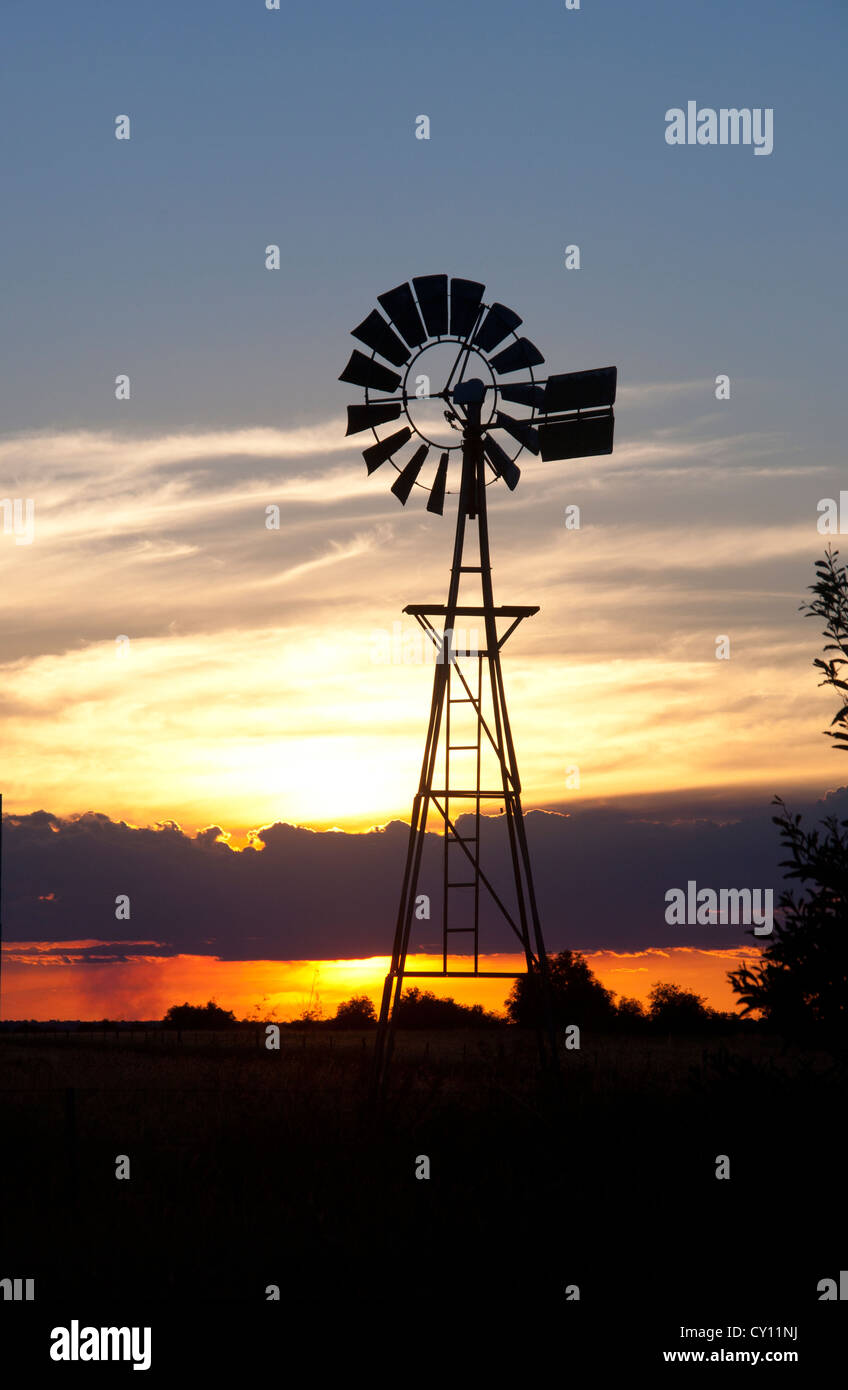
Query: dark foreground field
pixel 252 1168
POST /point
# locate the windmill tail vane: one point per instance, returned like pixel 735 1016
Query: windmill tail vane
pixel 456 363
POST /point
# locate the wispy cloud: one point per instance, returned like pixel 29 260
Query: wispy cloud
pixel 72 449
pixel 653 393
pixel 255 643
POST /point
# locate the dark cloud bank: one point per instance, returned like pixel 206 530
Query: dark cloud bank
pixel 601 877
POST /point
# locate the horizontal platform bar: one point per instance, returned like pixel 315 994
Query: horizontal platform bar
pixel 466 796
pixel 460 974
pixel 478 611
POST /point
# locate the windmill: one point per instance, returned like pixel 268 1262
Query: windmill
pixel 456 364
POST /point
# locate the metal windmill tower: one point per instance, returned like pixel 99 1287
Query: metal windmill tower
pixel 443 394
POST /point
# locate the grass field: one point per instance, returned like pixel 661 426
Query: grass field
pixel 250 1167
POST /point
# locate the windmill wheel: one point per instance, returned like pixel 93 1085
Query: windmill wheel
pixel 438 335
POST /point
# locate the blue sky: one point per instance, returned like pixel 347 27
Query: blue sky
pixel 297 127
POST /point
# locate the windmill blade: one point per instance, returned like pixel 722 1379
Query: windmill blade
pixel 436 500
pixel 465 298
pixel 577 438
pixel 522 353
pixel 520 430
pixel 432 291
pixel 384 448
pixel 502 463
pixel 581 390
pixel 403 484
pixel 364 371
pixel 368 417
pixel 498 322
pixel 376 334
pixel 524 393
pixel 401 308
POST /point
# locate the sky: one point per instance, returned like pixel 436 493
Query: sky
pixel 247 694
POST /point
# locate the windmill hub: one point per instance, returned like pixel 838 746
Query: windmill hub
pixel 471 392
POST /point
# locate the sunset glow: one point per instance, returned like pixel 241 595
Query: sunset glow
pixel 44 980
pixel 268 696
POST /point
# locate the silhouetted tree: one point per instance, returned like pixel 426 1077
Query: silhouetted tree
pixel 208 1015
pixel 576 995
pixel 312 1017
pixel 358 1012
pixel 800 982
pixel 831 605
pixel 630 1013
pixel 417 1009
pixel 676 1010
